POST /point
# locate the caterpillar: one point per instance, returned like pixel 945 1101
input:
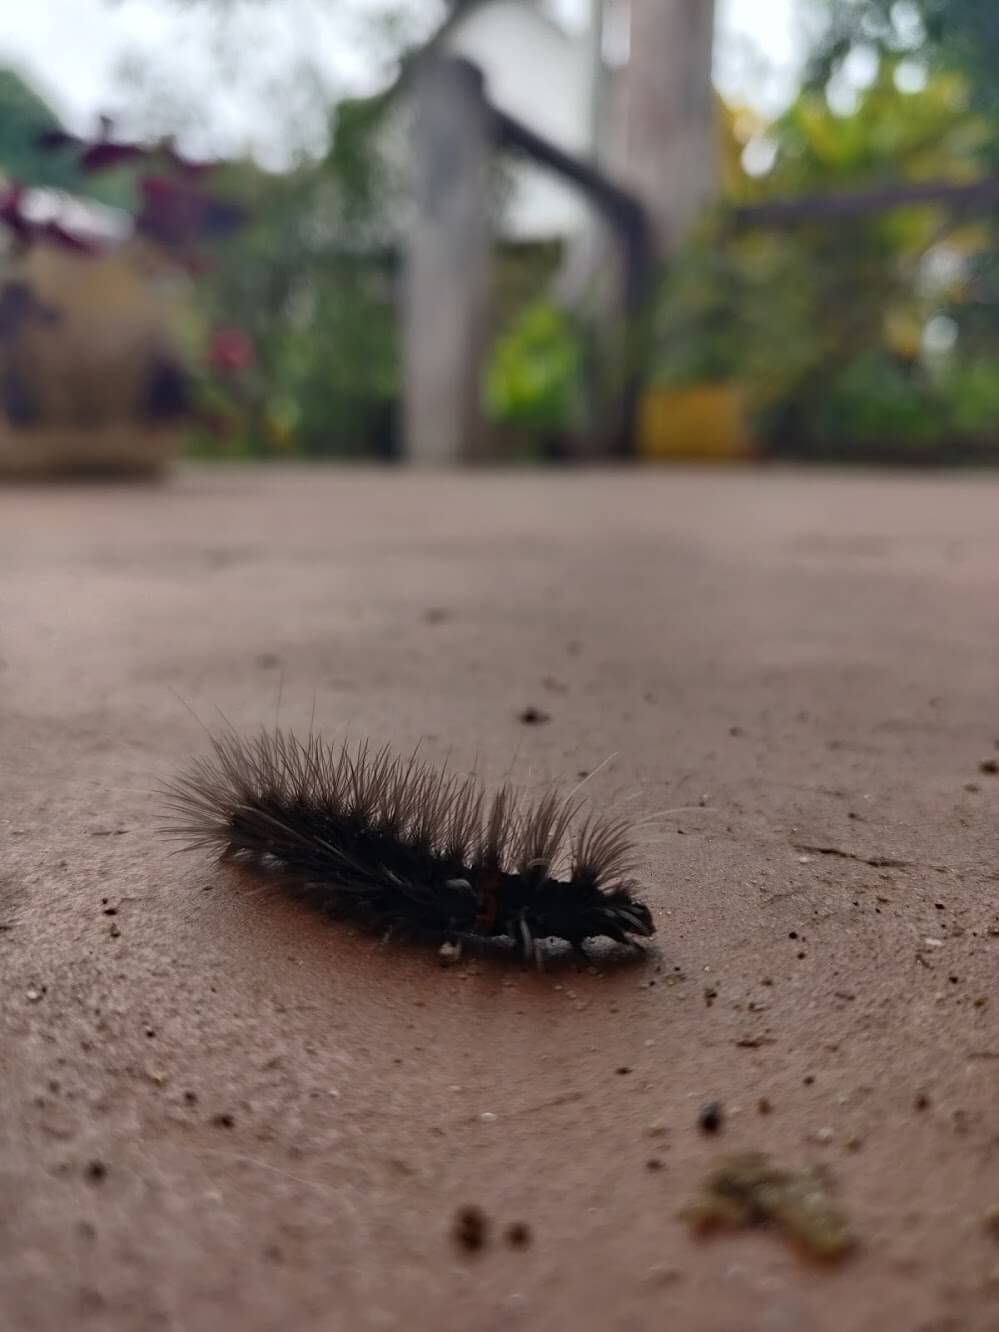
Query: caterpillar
pixel 400 847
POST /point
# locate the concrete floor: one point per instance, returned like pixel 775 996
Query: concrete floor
pixel 217 1111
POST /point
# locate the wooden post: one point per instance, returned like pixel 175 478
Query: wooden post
pixel 447 261
pixel 670 115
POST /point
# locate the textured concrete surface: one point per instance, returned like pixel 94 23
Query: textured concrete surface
pixel 217 1111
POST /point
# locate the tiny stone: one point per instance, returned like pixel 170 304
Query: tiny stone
pixel 653 1163
pixel 33 995
pixel 622 1070
pixel 488 1117
pixel 448 954
pixel 763 1106
pixel 470 1229
pixel 114 931
pixel 990 766
pixel 223 1121
pixel 533 717
pixel 518 1235
pixel 933 943
pixel 96 1172
pixel 922 1101
pixel 824 1135
pixel 710 1118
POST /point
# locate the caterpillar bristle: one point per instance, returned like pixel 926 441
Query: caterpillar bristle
pixel 402 847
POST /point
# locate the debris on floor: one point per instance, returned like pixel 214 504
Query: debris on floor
pixel 533 717
pixel 709 1120
pixel 470 1229
pixel 748 1190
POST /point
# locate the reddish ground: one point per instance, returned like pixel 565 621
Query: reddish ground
pixel 217 1111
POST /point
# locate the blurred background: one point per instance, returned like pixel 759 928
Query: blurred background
pixel 498 229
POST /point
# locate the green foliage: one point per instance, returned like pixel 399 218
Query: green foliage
pixel 305 282
pixel 700 334
pixel 822 323
pixel 23 116
pixel 951 35
pixel 972 390
pixel 877 400
pixel 533 377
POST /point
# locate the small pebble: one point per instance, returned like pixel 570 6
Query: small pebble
pixel 710 1118
pixel 34 994
pixel 533 717
pixel 96 1172
pixel 488 1117
pixel 470 1229
pixel 763 1106
pixel 824 1135
pixel 989 766
pixel 518 1235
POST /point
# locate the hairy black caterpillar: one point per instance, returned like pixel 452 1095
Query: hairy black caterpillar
pixel 399 846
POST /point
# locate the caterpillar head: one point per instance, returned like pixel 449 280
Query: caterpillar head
pixel 619 916
pixel 574 912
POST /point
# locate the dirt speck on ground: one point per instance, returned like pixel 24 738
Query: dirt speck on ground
pixel 748 1190
pixel 470 1229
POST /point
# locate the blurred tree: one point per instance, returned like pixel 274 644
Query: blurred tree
pixel 824 324
pixel 951 35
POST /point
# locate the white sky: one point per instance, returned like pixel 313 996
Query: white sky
pixel 73 51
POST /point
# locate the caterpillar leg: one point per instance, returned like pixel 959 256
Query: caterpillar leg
pixel 449 953
pixel 527 945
